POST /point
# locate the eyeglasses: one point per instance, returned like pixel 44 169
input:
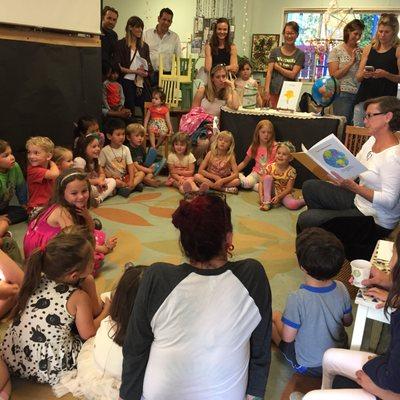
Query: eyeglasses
pixel 370 115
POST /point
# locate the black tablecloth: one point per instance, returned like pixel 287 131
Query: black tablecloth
pixel 297 130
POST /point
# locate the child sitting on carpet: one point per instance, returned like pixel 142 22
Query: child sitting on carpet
pixel 368 376
pixel 12 183
pixel 218 169
pixel 86 154
pixel 181 163
pixel 117 161
pixel 276 186
pixel 58 291
pixel 41 173
pixel 136 135
pixel 262 150
pixel 315 314
pixel 99 364
pixel 69 206
pixel 63 158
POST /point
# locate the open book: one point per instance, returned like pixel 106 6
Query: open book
pixel 330 155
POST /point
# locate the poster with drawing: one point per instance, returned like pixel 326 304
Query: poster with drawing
pixel 290 96
pixel 261 46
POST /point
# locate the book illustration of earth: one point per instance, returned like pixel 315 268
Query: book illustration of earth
pixel 335 158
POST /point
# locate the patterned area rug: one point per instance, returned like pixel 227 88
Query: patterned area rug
pixel 145 234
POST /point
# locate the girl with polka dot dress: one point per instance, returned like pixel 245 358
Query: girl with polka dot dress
pixel 58 290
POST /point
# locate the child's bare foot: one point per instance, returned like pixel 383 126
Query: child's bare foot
pixel 233 190
pixel 265 206
pixel 203 188
pixel 153 183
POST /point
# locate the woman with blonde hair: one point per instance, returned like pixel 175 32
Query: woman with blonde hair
pixel 218 92
pixel 379 70
pixel 133 57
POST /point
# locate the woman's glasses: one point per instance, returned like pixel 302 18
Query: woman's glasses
pixel 370 115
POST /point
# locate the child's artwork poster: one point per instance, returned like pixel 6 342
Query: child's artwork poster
pixel 290 96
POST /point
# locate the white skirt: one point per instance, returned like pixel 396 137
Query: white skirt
pixel 88 380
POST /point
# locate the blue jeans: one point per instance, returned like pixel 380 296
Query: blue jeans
pixel 359 114
pixel 344 105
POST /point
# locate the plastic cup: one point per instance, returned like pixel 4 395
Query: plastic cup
pixel 360 270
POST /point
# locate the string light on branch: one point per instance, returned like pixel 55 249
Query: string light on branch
pixel 245 26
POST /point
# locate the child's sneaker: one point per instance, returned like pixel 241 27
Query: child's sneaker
pixel 158 166
pixel 296 396
pixel 265 206
pixel 124 191
pixel 187 187
pixel 139 187
pixel 232 190
pixel 97 224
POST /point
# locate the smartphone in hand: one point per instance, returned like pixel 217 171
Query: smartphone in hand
pixel 369 68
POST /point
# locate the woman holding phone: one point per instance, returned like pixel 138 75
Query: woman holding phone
pixel 379 70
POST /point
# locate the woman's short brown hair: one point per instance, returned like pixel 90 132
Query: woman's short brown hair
pixel 354 25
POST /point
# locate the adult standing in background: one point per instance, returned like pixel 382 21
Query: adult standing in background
pixel 220 49
pixel 109 39
pixel 343 65
pixel 379 70
pixel 284 64
pixel 162 40
pixel 133 56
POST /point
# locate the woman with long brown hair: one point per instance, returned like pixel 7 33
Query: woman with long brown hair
pixel 133 57
pixel 220 49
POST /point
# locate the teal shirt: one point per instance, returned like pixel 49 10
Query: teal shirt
pixel 12 183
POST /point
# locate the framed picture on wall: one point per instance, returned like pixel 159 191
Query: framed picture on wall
pixel 261 46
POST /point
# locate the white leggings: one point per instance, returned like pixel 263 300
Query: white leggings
pixel 250 181
pixel 105 193
pixel 341 362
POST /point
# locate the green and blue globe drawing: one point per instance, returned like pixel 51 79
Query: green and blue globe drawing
pixel 325 90
pixel 335 158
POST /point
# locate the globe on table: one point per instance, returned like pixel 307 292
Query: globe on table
pixel 335 158
pixel 325 90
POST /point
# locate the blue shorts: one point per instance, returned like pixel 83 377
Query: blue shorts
pixel 289 352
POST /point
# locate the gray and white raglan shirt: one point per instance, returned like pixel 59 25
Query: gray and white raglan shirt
pixel 199 334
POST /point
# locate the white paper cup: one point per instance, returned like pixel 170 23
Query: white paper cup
pixel 360 270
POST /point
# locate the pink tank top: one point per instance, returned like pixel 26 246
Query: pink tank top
pixel 40 232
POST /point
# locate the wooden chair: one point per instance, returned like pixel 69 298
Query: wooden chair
pixel 356 136
pixel 147 105
pixel 181 72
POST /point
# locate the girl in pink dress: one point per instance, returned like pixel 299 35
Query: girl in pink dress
pixel 262 150
pixel 157 121
pixel 218 169
pixel 181 163
pixel 69 206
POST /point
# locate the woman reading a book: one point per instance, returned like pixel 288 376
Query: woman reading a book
pixel 378 192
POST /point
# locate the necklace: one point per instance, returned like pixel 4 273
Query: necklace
pixel 118 159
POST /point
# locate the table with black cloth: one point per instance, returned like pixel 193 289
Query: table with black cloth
pixel 296 127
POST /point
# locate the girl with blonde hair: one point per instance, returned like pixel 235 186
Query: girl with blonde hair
pixel 219 169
